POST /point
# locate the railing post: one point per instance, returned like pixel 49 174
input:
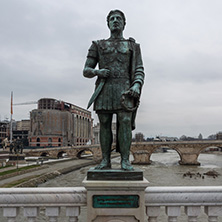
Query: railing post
pixel 73 213
pixel 31 213
pixel 152 213
pixel 213 212
pixel 192 212
pixel 172 213
pixel 52 213
pixel 10 213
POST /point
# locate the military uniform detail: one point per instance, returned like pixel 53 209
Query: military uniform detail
pixel 116 55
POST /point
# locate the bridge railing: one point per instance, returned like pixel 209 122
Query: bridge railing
pixel 195 201
pixel 29 201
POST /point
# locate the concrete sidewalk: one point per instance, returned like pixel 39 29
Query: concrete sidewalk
pixel 50 170
pixel 60 166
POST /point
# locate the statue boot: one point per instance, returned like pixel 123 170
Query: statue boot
pixel 105 163
pixel 125 164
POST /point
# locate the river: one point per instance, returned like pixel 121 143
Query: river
pixel 164 171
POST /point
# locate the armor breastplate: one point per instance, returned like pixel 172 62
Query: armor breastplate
pixel 115 56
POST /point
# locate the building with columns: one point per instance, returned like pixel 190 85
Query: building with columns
pixel 96 130
pixel 59 123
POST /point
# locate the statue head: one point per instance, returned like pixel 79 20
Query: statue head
pixel 116 12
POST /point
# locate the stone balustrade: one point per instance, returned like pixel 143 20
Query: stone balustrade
pixel 191 198
pixel 51 199
pixel 30 200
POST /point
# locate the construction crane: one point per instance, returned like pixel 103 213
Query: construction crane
pixel 26 103
pixel 16 104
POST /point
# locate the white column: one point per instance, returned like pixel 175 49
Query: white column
pixel 85 127
pixel 172 213
pixel 77 126
pixel 152 213
pixel 81 128
pixel 73 213
pixel 10 213
pixel 213 212
pixel 52 213
pixel 31 213
pixel 192 212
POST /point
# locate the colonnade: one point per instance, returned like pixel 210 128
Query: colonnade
pixel 83 128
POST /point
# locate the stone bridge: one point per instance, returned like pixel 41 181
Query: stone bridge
pixel 187 150
pixel 71 152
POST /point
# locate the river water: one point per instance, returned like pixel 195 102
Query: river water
pixel 164 171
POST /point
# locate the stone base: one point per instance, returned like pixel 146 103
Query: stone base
pixel 115 200
pixel 114 174
pixel 141 157
pixel 195 163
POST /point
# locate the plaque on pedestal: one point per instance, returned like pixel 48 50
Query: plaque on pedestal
pixel 115 200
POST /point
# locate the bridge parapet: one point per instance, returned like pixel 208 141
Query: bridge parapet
pixel 204 202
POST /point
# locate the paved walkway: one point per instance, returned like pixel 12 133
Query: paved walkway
pixel 50 167
pixel 62 165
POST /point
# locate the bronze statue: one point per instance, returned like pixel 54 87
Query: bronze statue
pixel 118 87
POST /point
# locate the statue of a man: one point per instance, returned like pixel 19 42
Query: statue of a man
pixel 120 77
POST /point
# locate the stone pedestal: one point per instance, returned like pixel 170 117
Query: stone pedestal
pixel 115 200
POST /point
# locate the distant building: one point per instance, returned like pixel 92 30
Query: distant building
pixel 23 125
pixel 165 138
pixel 219 136
pixel 96 130
pixel 58 123
pixel 20 130
pixel 4 130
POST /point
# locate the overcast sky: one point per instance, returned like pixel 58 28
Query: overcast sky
pixel 44 45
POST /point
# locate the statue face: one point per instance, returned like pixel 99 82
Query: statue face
pixel 116 22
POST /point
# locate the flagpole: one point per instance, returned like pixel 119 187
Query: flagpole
pixel 11 117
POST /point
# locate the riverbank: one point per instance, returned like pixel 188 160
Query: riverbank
pixel 34 177
pixel 42 173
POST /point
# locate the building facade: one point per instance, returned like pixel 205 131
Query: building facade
pixel 4 130
pixel 96 129
pixel 20 130
pixel 219 136
pixel 58 123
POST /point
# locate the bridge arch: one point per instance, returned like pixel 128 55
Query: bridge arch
pixel 61 154
pixel 44 154
pixel 167 148
pixel 84 151
pixel 211 148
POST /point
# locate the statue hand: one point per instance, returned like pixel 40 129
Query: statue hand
pixel 103 73
pixel 135 90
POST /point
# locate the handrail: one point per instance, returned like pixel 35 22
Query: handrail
pixel 41 196
pixel 184 196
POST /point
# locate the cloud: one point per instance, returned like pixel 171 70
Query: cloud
pixel 44 46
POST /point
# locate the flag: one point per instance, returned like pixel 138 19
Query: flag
pixel 11 103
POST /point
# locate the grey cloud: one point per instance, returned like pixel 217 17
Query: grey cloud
pixel 44 46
